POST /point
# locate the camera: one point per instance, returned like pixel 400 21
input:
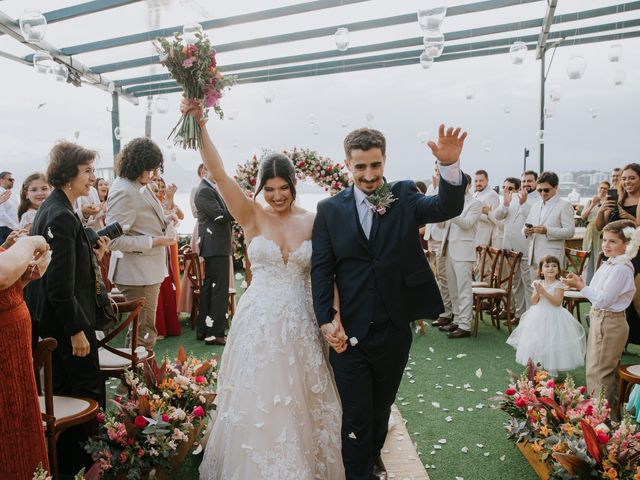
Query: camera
pixel 111 231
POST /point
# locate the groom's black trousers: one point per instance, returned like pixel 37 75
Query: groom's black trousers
pixel 368 376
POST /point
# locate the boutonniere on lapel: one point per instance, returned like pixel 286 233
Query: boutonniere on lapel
pixel 381 199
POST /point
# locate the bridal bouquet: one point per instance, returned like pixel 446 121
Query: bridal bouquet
pixel 193 66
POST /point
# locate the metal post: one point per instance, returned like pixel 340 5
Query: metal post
pixel 542 80
pixel 115 123
pixel 147 118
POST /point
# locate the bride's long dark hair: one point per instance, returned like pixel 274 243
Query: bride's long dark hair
pixel 277 165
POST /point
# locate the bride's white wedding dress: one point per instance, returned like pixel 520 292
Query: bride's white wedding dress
pixel 278 414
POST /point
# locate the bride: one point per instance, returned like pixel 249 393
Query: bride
pixel 278 411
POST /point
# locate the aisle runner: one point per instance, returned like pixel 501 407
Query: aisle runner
pixel 399 455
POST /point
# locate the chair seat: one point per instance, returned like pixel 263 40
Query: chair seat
pixel 633 370
pixel 232 291
pixel 479 284
pixel 574 295
pixel 111 360
pixel 489 292
pixel 66 406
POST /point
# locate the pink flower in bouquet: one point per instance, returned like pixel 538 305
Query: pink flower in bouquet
pixel 520 402
pixel 200 379
pixel 551 383
pixel 140 453
pixel 510 391
pixel 165 417
pixel 582 389
pixel 602 437
pixel 123 457
pixel 188 62
pixel 140 421
pixel 100 417
pixel 198 412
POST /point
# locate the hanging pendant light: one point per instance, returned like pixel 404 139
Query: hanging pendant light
pixel 576 66
pixel 518 53
pixel 33 25
pixel 431 14
pixel 425 60
pixel 615 52
pixel 433 44
pixel 341 38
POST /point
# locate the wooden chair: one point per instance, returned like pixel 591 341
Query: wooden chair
pixel 628 375
pixel 576 260
pixel 194 275
pixel 58 412
pixel 487 259
pixel 499 294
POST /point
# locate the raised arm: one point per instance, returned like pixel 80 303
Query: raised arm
pixel 242 209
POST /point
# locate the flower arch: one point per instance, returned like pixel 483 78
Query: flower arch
pixel 309 165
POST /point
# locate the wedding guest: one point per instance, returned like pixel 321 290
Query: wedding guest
pixel 422 187
pixel 66 304
pixel 489 200
pixel 98 222
pixel 8 206
pixel 592 240
pixel 140 265
pixel 102 187
pixel 186 296
pixel 214 228
pixel 610 292
pixel 549 223
pixel 23 443
pixel 458 247
pixel 35 189
pixel 512 212
pixel 173 214
pixel 616 173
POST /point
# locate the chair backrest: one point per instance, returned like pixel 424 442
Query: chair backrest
pixel 133 308
pixel 481 257
pixel 194 272
pixel 576 259
pixel 492 266
pixel 42 359
pixel 509 264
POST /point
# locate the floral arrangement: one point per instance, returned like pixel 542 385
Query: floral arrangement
pixel 310 165
pixel 381 199
pixel 42 474
pixel 633 234
pixel 570 430
pixel 162 414
pixel 193 66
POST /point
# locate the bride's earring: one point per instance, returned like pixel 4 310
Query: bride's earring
pixel 68 186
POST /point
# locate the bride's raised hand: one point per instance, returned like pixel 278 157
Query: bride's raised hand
pixel 191 106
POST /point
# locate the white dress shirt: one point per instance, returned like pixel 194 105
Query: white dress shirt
pixel 9 212
pixel 612 287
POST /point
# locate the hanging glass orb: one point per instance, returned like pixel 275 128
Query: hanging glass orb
pixel 555 93
pixel 433 44
pixel 43 62
pixel 506 108
pixel 269 95
pixel 191 32
pixel 117 134
pixel 61 72
pixel 619 77
pixel 540 136
pixel 173 156
pixel 344 121
pixel 549 111
pixel 76 134
pixel 315 130
pixel 425 60
pixel 341 37
pixel 33 25
pixel 431 15
pixel 423 137
pixel 576 66
pixel 615 52
pixel 312 119
pixel 594 112
pixel 487 145
pixel 470 92
pixel 162 104
pixel 235 143
pixel 518 52
pixel 370 117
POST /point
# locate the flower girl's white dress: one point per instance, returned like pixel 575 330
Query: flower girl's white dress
pixel 278 414
pixel 549 335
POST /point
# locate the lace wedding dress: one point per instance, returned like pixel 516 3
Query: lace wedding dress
pixel 278 414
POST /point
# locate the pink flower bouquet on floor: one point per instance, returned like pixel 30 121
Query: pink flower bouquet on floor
pixel 193 66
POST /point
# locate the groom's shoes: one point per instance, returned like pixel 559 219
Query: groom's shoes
pixel 459 333
pixel 379 470
pixel 442 321
pixel 215 341
pixel 448 328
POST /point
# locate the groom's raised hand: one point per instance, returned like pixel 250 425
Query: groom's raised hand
pixel 449 145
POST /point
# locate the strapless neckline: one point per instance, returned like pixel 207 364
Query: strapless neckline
pixel 272 242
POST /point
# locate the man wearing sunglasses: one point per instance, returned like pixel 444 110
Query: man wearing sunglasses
pixel 8 206
pixel 550 222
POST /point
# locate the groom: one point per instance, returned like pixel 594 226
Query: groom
pixel 383 282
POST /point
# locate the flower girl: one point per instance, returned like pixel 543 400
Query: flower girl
pixel 548 333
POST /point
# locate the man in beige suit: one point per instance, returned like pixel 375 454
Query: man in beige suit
pixel 139 261
pixel 489 200
pixel 458 247
pixel 550 222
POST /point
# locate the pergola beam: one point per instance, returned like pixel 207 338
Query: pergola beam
pixel 381 61
pixel 86 8
pixel 546 27
pixel 481 6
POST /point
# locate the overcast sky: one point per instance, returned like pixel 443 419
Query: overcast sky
pixel 403 101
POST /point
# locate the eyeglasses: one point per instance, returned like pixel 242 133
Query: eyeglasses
pixel 10 180
pixel 544 190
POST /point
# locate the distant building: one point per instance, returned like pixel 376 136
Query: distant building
pixel 566 177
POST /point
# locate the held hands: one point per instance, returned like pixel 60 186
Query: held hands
pixel 449 145
pixel 335 335
pixel 189 106
pixel 80 344
pixel 574 281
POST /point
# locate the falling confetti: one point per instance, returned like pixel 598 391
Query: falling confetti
pixel 49 234
pixel 208 321
pixel 464 450
pixel 352 435
pixel 479 373
pixel 197 450
pixel 259 424
pixel 353 341
pixel 238 276
pixel 431 349
pixel 449 418
pixel 435 404
pixel 219 217
pixel 244 284
pixel 442 441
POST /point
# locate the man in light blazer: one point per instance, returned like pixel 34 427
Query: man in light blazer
pixel 214 229
pixel 550 222
pixel 458 247
pixel 489 200
pixel 139 261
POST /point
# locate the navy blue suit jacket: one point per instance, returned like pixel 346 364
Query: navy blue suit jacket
pixel 391 264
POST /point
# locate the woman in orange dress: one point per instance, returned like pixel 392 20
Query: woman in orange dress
pixel 23 445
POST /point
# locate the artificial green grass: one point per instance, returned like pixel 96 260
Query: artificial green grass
pixel 438 361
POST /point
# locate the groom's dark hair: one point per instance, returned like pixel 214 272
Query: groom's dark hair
pixel 364 139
